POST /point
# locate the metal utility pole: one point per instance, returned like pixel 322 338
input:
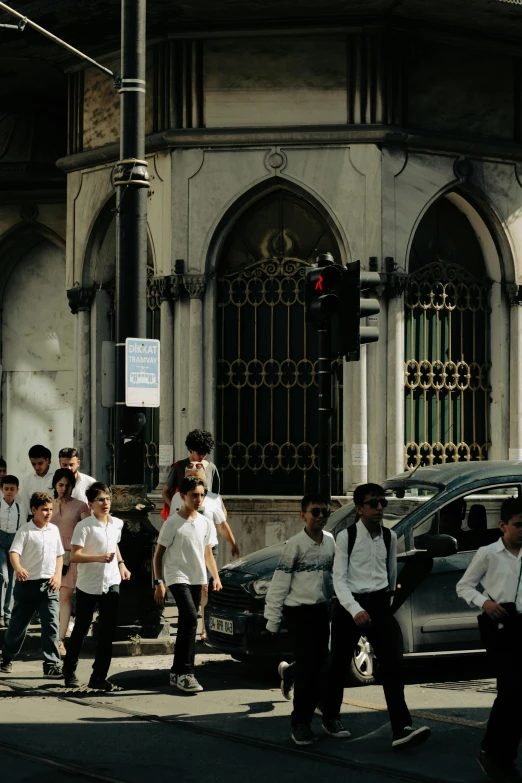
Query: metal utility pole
pixel 324 381
pixel 131 183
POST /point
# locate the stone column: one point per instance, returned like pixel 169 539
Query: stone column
pixel 168 289
pixel 500 382
pixel 355 424
pixel 515 372
pixel 396 286
pixel 376 356
pixel 80 300
pixel 195 285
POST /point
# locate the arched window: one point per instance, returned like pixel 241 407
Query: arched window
pixel 446 342
pixel 267 384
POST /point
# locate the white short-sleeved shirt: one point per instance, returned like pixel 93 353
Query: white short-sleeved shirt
pixel 38 548
pixel 96 538
pixel 211 508
pixel 185 541
pixel 84 482
pixel 35 483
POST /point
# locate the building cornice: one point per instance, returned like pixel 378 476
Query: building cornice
pixel 330 135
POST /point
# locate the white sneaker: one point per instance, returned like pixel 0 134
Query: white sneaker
pixel 173 680
pixel 286 686
pixel 188 683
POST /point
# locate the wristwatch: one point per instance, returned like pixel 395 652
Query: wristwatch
pixel 158 581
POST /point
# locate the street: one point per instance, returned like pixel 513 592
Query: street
pixel 237 727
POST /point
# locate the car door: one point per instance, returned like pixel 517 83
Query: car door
pixel 441 620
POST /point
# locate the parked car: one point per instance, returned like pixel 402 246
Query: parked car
pixel 441 515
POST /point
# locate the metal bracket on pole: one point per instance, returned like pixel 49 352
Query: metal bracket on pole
pixel 23 21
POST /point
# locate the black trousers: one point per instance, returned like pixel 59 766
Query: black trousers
pixel 188 599
pixel 108 620
pixel 309 629
pixel 385 637
pixel 504 648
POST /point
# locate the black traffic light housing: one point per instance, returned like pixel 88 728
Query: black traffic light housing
pixel 355 307
pixel 323 291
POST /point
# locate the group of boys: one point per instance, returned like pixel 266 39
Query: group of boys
pixel 360 570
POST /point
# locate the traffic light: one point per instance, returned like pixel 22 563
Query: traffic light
pixel 323 291
pixel 355 307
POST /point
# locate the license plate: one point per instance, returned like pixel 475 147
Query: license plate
pixel 221 626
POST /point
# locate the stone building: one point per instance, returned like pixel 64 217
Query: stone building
pixel 387 132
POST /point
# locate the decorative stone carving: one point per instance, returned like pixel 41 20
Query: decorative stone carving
pixel 514 294
pixel 29 213
pixel 195 285
pixel 275 160
pixel 168 287
pixel 80 299
pixel 463 169
pixel 395 284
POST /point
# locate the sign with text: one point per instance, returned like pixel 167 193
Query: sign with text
pixel 142 373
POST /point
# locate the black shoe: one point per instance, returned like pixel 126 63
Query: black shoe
pixel 71 680
pixel 53 672
pixel 496 770
pixel 302 734
pixel 6 666
pixel 410 736
pixel 98 684
pixel 335 728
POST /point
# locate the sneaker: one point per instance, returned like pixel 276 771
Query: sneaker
pixel 71 680
pixel 53 672
pixel 98 684
pixel 318 710
pixel 335 728
pixel 173 679
pixel 411 736
pixel 497 771
pixel 287 686
pixel 188 683
pixel 61 648
pixel 302 734
pixel 3 623
pixel 6 666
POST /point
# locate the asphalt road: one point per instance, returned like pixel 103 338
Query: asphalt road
pixel 238 728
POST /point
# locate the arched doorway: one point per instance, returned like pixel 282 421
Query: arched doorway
pixel 447 342
pixel 37 349
pixel 267 383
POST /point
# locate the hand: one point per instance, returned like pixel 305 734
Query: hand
pixel 55 583
pixel 362 618
pixel 494 610
pixel 125 573
pixel 108 557
pixel 235 551
pixel 216 585
pixel 21 574
pixel 160 593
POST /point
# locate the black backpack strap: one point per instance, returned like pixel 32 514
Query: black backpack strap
pixel 18 518
pixel 352 535
pixel 386 534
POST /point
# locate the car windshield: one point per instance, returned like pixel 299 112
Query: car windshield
pixel 403 497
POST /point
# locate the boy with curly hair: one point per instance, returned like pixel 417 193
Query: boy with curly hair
pixel 199 444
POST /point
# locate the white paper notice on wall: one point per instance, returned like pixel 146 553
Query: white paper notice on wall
pixel 165 456
pixel 359 453
pixel 515 454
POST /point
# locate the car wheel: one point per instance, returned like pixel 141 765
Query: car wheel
pixel 363 664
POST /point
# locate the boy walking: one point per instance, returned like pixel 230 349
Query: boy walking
pixel 37 559
pixel 300 590
pixel 199 444
pixel 11 517
pixel 498 568
pixel 100 571
pixel 41 480
pixel 365 575
pixel 184 551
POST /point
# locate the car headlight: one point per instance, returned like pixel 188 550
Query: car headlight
pixel 260 587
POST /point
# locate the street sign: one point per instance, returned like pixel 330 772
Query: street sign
pixel 142 373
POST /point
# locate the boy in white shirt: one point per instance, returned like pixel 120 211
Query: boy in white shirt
pixel 11 517
pixel 184 552
pixel 37 558
pixel 69 458
pixel 100 571
pixel 365 576
pixel 41 480
pixel 301 589
pixel 498 568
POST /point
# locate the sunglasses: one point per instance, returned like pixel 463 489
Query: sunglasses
pixel 196 466
pixel 320 512
pixel 376 502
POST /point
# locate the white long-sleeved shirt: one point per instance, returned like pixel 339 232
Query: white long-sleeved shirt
pixel 35 483
pixel 303 576
pixel 498 570
pixel 365 571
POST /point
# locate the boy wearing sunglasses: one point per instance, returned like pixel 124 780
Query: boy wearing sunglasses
pixel 365 576
pixel 300 590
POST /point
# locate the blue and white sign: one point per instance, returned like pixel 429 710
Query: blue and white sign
pixel 142 373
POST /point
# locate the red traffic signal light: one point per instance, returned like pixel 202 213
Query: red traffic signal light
pixel 323 293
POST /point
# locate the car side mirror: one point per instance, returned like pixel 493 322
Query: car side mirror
pixel 438 546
